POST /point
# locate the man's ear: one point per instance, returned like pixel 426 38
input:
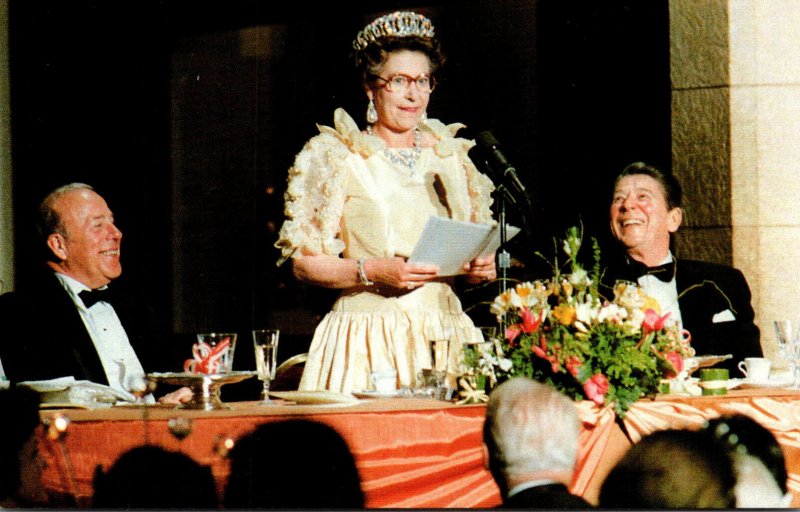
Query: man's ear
pixel 674 219
pixel 57 245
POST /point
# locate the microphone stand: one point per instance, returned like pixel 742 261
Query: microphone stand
pixel 503 257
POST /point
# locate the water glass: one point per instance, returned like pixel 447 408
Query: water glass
pixel 439 350
pixel 788 335
pixel 212 354
pixel 265 343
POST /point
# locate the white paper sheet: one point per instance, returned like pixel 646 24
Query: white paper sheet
pixel 450 243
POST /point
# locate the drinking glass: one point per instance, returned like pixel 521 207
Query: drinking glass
pixel 265 342
pixel 212 354
pixel 788 334
pixel 440 349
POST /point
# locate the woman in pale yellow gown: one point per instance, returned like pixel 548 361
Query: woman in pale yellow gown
pixel 356 204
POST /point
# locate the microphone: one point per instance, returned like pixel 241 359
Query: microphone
pixel 496 160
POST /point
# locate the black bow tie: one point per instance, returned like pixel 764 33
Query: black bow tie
pixel 92 297
pixel 636 269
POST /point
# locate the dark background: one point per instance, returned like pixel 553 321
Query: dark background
pixel 188 134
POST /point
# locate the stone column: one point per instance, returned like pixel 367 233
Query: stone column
pixel 735 68
pixel 6 206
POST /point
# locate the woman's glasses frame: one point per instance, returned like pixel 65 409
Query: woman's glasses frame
pixel 401 82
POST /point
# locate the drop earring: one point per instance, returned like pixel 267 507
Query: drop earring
pixel 372 114
pixel 424 116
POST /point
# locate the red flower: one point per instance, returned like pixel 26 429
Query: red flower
pixel 653 322
pixel 512 331
pixel 675 359
pixel 541 351
pixel 596 388
pixel 574 364
pixel 529 322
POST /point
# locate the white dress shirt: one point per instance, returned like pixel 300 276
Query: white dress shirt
pixel 122 366
pixel 527 485
pixel 665 293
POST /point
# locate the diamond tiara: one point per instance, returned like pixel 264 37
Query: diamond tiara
pixel 399 24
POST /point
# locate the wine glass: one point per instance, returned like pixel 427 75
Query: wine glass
pixel 788 334
pixel 265 342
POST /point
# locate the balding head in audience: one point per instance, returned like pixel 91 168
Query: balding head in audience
pixel 531 435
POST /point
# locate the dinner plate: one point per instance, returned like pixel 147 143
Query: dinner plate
pixel 369 393
pixel 321 397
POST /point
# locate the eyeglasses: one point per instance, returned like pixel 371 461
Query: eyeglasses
pixel 400 82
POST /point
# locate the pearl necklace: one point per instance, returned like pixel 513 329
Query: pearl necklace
pixel 405 157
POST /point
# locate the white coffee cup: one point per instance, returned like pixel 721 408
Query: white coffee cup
pixel 384 381
pixel 755 369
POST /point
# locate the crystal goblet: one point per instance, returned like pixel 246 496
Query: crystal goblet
pixel 265 343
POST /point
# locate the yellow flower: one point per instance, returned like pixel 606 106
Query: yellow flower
pixel 524 295
pixel 564 314
pixel 502 303
pixel 651 303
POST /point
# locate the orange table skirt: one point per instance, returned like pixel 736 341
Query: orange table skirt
pixel 410 453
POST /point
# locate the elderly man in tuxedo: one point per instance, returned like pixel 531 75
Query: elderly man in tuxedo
pixel 710 301
pixel 70 321
pixel 531 439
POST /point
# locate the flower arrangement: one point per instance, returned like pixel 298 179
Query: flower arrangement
pixel 564 332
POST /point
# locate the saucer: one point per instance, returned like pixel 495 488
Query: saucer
pixel 769 383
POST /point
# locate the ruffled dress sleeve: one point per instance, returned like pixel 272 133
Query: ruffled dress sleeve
pixel 479 186
pixel 316 193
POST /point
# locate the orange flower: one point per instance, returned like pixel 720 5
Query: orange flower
pixel 564 314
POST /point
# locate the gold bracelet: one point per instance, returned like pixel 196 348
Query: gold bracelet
pixel 361 274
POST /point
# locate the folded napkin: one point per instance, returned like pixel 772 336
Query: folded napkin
pixel 68 391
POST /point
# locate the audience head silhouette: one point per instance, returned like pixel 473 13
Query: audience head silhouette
pixel 293 464
pixel 758 459
pixel 531 435
pixel 672 469
pixel 20 466
pixel 150 477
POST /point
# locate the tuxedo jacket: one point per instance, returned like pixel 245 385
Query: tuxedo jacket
pixel 715 308
pixel 550 496
pixel 42 334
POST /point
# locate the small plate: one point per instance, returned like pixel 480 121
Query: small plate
pixel 374 394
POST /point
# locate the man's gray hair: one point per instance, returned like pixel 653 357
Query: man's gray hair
pixel 530 427
pixel 49 220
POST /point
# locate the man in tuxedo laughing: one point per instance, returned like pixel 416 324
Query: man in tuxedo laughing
pixel 70 321
pixel 710 301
